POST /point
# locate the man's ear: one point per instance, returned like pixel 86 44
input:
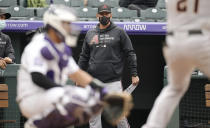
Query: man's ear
pixel 111 16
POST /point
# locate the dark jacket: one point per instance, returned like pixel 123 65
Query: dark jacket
pixel 104 51
pixel 6 49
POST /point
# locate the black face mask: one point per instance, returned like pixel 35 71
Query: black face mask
pixel 104 20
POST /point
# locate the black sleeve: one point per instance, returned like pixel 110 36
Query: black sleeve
pixel 84 55
pixel 129 53
pixel 42 81
pixel 9 49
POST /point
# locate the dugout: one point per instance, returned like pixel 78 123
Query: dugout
pixel 148 47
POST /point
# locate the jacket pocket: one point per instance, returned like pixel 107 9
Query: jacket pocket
pixel 101 69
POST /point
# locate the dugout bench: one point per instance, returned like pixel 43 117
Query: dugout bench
pixel 207 95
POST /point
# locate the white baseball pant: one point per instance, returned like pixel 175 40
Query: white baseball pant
pixel 183 54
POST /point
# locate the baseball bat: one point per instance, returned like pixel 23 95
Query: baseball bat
pixel 130 88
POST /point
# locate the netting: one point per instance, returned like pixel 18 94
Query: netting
pixel 193 110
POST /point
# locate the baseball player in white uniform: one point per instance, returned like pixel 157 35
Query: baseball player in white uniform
pixel 46 64
pixel 187 48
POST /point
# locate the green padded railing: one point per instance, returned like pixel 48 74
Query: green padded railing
pixel 10 71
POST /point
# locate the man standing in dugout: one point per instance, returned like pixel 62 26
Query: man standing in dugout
pixel 7 52
pixel 103 53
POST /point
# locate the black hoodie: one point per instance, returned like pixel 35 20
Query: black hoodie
pixel 104 51
pixel 6 47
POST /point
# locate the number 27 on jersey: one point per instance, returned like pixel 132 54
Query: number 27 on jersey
pixel 182 5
